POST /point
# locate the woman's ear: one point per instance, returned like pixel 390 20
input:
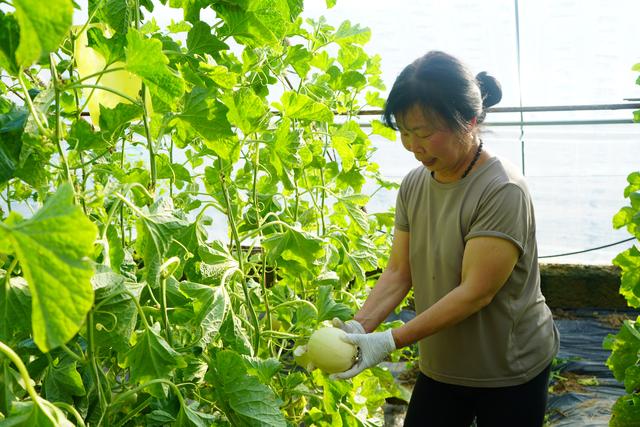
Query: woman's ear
pixel 473 122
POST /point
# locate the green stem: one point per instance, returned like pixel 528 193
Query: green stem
pixel 58 130
pixel 32 109
pixel 236 237
pixel 152 156
pixel 166 270
pixel 105 88
pixel 134 412
pixel 73 411
pixel 4 332
pixel 26 379
pixel 93 361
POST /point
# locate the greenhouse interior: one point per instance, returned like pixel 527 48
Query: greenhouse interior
pixel 319 213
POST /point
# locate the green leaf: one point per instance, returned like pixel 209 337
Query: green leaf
pixel 378 128
pixel 219 74
pixel 254 22
pixel 190 417
pixel 299 106
pixel 626 411
pixel 328 308
pixel 9 39
pixel 629 263
pixel 233 335
pixel 156 231
pixel 201 41
pixel 264 369
pixel 146 59
pixel 294 249
pixel 16 309
pixel 299 57
pixel 115 13
pixel 348 34
pixel 205 114
pixel 82 137
pixel 42 29
pixel 152 357
pixel 624 348
pixel 244 400
pixel 247 110
pixel 210 307
pixel 115 322
pixel 341 141
pixel 11 127
pixel 63 382
pixel 40 414
pixel 113 121
pixel 52 247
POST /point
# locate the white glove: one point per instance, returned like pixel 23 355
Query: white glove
pixel 374 348
pixel 350 326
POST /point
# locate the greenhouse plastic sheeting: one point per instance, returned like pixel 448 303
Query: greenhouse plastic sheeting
pixel 581 353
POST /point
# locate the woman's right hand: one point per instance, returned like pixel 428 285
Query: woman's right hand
pixel 350 326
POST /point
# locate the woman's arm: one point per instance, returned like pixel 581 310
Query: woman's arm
pixel 392 286
pixel 487 263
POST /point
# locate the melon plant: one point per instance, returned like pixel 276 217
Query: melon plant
pixel 166 194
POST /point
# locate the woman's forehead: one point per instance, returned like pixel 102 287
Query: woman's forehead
pixel 417 117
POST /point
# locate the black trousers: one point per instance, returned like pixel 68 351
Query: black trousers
pixel 436 404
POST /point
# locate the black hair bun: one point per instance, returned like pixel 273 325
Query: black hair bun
pixel 490 89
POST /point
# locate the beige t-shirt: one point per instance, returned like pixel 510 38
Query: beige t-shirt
pixel 512 339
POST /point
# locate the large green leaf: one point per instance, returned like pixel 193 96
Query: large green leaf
pixel 255 22
pixel 30 414
pixel 205 115
pixel 9 39
pixel 201 41
pixel 626 411
pixel 15 310
pixel 188 417
pixel 152 357
pixel 210 307
pixel 146 59
pixel 328 308
pixel 302 107
pixel 294 249
pixel 62 382
pixel 116 320
pixel 156 231
pixel 11 127
pixel 52 247
pixel 243 398
pixel 629 263
pixel 247 110
pixel 42 29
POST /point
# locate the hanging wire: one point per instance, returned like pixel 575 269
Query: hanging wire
pixel 519 83
pixel 588 250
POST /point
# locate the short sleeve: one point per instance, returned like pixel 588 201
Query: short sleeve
pixel 505 213
pixel 401 219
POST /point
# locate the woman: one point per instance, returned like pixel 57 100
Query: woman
pixel 465 241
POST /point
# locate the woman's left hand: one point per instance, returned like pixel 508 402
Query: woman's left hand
pixel 373 349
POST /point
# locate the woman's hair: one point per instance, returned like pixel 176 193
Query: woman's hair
pixel 441 84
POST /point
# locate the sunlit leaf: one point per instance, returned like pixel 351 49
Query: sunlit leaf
pixel 52 247
pixel 42 29
pixel 299 106
pixel 201 41
pixel 146 59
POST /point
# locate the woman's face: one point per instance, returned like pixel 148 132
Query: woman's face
pixel 436 147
